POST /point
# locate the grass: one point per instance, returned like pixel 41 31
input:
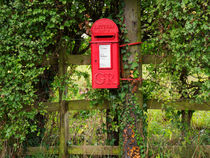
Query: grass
pixel 201 119
pixel 86 128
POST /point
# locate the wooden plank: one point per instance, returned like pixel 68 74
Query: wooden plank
pixel 179 105
pixel 76 105
pixel 154 59
pixel 94 150
pixel 115 150
pixel 51 106
pixel 41 150
pixel 86 59
pixel 86 105
pixel 151 104
pixel 79 59
pixel 182 151
pixel 76 150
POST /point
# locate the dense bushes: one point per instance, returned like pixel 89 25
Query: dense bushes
pixel 32 32
pixel 178 30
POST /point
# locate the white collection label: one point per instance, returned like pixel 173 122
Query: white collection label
pixel 104 56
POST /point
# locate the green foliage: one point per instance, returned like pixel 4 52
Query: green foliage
pixel 32 33
pixel 21 47
pixel 29 30
pixel 178 30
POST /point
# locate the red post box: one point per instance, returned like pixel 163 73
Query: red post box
pixel 105 54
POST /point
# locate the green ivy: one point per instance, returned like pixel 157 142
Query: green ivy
pixel 32 34
pixel 178 31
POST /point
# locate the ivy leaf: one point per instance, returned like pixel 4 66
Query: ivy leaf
pixel 134 65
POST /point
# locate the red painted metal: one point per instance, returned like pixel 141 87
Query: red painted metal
pixel 130 44
pixel 105 54
pixel 131 79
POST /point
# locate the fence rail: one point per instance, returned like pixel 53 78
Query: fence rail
pixel 86 59
pixel 151 104
pixel 115 150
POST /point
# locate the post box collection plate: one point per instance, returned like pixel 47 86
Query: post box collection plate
pixel 105 54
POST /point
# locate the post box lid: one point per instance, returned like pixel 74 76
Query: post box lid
pixel 104 26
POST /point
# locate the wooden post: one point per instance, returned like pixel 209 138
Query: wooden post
pixel 63 107
pixel 133 25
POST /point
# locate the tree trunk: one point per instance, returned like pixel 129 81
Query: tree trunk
pixel 186 120
pixel 189 117
pixel 3 151
pixel 186 114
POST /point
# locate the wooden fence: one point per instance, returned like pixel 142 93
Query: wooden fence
pixel 64 106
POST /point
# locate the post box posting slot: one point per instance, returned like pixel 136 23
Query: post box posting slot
pixel 105 36
pixel 105 54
